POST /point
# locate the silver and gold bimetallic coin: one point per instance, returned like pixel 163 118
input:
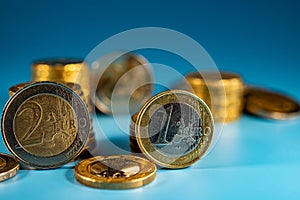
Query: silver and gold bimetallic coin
pixel 45 125
pixel 174 129
pixel 121 82
pixel 270 104
pixel 63 70
pixel 8 167
pixel 221 91
pixel 115 172
pixel 91 143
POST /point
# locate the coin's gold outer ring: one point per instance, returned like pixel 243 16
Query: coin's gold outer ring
pixel 83 176
pixel 10 169
pixel 146 146
pixel 99 101
pixel 255 104
pixel 16 101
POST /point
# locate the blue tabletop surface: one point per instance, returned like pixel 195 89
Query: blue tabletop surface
pixel 254 158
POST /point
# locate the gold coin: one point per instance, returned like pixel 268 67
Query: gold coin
pixel 115 172
pixel 45 124
pixel 174 128
pixel 121 81
pixel 270 104
pixel 8 167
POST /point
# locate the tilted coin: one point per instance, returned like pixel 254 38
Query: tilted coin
pixel 45 125
pixel 269 104
pixel 115 172
pixel 174 128
pixel 8 166
pixel 121 81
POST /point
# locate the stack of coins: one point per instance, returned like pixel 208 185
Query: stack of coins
pixel 222 92
pixel 61 71
pixel 91 143
pixel 173 129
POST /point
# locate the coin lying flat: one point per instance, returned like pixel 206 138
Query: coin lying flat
pixel 115 172
pixel 269 104
pixel 121 81
pixel 8 167
pixel 174 129
pixel 45 125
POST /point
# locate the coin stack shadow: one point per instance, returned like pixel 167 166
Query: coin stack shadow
pixel 221 91
pixel 74 73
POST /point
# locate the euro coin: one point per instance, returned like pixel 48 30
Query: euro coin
pixel 174 129
pixel 62 70
pixel 269 104
pixel 45 125
pixel 115 172
pixel 122 82
pixel 8 167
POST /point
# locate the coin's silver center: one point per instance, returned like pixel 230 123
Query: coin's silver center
pixel 175 129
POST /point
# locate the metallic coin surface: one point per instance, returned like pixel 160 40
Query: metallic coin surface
pixel 221 91
pixel 13 89
pixel 45 124
pixel 115 172
pixel 174 128
pixel 8 166
pixel 121 84
pixel 62 70
pixel 270 104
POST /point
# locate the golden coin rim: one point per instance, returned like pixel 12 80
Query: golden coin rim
pixel 11 168
pixel 83 176
pixel 150 151
pixel 106 108
pixel 21 153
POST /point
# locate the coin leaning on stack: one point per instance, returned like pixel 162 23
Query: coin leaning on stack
pixel 221 91
pixel 174 129
pixel 67 71
pixel 45 125
pixel 91 143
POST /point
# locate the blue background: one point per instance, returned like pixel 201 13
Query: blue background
pixel 254 158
